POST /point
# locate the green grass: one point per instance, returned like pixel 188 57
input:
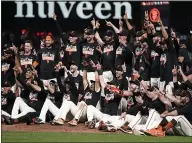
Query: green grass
pixel 84 137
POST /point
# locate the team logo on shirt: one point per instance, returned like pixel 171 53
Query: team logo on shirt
pixel 163 59
pixel 119 51
pixel 87 51
pixel 71 48
pixel 33 96
pixel 66 97
pixel 3 101
pixel 77 85
pixel 48 57
pixel 107 49
pixel 5 67
pixel 88 95
pixel 26 61
pixel 61 54
pixel 109 96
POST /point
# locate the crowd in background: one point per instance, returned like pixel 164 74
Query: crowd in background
pixel 134 81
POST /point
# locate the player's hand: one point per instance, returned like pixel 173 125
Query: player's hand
pixel 54 16
pixel 108 23
pixel 57 67
pixel 97 25
pixel 146 15
pixel 174 71
pixel 120 22
pixel 28 82
pixel 125 17
pixel 163 115
pixel 93 23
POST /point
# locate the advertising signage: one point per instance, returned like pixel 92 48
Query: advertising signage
pixel 73 9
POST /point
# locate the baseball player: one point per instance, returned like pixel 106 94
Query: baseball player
pixel 79 111
pixel 178 118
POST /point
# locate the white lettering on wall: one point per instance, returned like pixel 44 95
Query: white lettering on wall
pixel 66 12
pixel 41 10
pixel 99 9
pixel 118 7
pixel 19 12
pixel 114 9
pixel 84 6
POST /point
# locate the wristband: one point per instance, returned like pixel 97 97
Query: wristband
pixel 100 72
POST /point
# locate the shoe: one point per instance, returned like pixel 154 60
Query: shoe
pixel 39 121
pixel 59 122
pixel 155 132
pixel 126 129
pixel 86 123
pixel 52 122
pixel 137 132
pixel 73 122
pixel 91 124
pixel 7 120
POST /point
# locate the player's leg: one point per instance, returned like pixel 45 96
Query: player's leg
pixel 153 120
pixel 183 126
pixel 22 106
pixel 48 105
pixel 5 113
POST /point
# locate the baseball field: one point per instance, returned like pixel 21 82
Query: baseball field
pixel 49 133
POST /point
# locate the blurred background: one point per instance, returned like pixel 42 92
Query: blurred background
pixel 173 14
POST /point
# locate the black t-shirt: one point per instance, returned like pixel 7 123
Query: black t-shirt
pixel 7 101
pixel 124 54
pixel 27 60
pixel 48 59
pixel 70 97
pixel 91 97
pixel 72 53
pixel 156 104
pixel 79 84
pixel 111 100
pixel 7 73
pixel 186 111
pixel 155 64
pixel 108 56
pixel 89 52
pixel 169 57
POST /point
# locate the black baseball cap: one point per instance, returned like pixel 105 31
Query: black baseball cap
pixel 111 82
pixel 109 33
pixel 73 63
pixel 140 33
pixel 53 82
pixel 92 81
pixel 136 82
pixel 90 32
pixel 119 68
pixel 157 34
pixel 123 33
pixel 73 34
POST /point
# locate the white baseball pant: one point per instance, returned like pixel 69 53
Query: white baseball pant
pixel 155 82
pixel 22 106
pixel 152 121
pixel 94 113
pixel 5 113
pixel 183 126
pixel 79 112
pixel 48 106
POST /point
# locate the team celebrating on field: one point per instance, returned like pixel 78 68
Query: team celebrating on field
pixel 138 82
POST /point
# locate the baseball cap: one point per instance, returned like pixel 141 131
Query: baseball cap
pixel 119 68
pixel 73 34
pixel 123 33
pixel 92 81
pixel 90 32
pixel 72 63
pixel 185 93
pixel 49 37
pixel 136 82
pixel 53 82
pixel 109 33
pixel 157 34
pixel 140 33
pixel 111 83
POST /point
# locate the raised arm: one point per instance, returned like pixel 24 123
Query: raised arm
pixel 129 26
pixel 164 32
pixel 108 23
